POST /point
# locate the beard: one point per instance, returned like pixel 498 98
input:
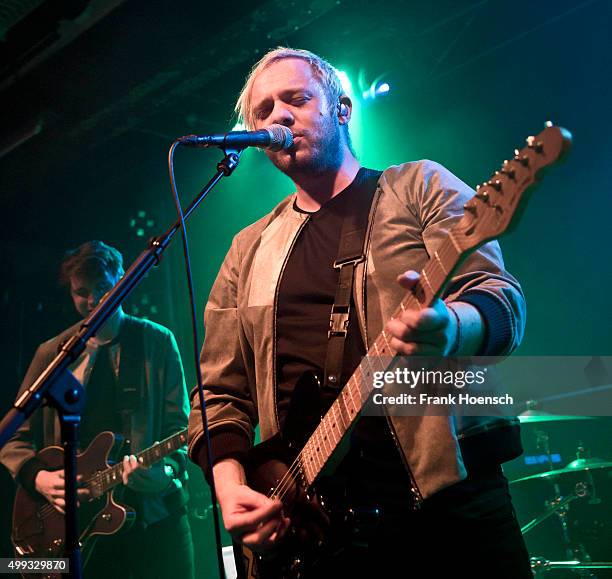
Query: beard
pixel 318 152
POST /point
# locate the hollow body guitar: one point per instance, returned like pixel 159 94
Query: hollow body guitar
pixel 290 465
pixel 38 528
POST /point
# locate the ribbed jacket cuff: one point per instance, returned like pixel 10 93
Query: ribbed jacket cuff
pixel 499 325
pixel 224 443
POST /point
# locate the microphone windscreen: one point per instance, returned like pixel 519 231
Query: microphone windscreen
pixel 281 137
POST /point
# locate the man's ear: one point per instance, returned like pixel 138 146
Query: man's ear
pixel 344 110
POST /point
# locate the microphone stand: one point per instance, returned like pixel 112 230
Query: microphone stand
pixel 61 390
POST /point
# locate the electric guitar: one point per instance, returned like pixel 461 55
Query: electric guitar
pixel 38 528
pixel 289 465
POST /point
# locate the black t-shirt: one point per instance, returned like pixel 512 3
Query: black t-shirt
pixel 306 295
pixel 100 412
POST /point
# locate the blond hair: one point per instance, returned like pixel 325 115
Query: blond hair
pixel 324 72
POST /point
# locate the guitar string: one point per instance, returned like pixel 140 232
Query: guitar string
pixel 334 411
pixel 288 479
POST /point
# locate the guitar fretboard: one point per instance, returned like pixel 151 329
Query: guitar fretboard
pixel 107 479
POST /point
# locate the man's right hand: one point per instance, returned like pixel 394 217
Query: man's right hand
pixel 249 517
pixel 51 485
pixel 252 518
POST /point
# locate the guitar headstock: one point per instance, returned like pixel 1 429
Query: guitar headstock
pixel 498 201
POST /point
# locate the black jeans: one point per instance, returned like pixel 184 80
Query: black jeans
pixel 466 530
pixel 159 551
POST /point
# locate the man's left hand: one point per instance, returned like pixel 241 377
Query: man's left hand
pixel 145 480
pixel 431 331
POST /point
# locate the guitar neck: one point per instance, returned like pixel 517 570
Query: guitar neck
pixel 354 395
pixel 111 477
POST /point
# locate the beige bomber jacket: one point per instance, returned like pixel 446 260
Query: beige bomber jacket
pixel 414 206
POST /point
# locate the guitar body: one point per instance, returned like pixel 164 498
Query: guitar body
pixel 38 529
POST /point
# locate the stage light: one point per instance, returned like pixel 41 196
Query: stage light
pixel 377 89
pixel 142 224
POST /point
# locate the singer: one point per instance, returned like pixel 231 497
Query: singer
pixel 427 495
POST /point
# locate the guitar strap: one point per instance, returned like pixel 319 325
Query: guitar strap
pixel 351 251
pixel 131 377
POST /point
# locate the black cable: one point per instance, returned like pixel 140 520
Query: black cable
pixel 196 352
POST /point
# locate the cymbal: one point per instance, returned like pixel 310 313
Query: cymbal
pixel 578 465
pixel 536 416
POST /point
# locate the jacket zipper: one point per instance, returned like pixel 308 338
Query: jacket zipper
pixel 417 497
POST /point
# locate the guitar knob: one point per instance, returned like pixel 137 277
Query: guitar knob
pixel 106 517
pixel 470 208
pixel 484 196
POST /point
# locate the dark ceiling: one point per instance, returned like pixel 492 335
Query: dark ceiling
pixel 93 82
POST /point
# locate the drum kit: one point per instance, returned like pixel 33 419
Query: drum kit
pixel 563 490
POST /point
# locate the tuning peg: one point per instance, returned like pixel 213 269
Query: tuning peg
pixel 508 170
pixel 522 159
pixel 533 144
pixel 496 184
pixel 483 196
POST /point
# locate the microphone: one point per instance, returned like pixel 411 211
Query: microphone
pixel 275 137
